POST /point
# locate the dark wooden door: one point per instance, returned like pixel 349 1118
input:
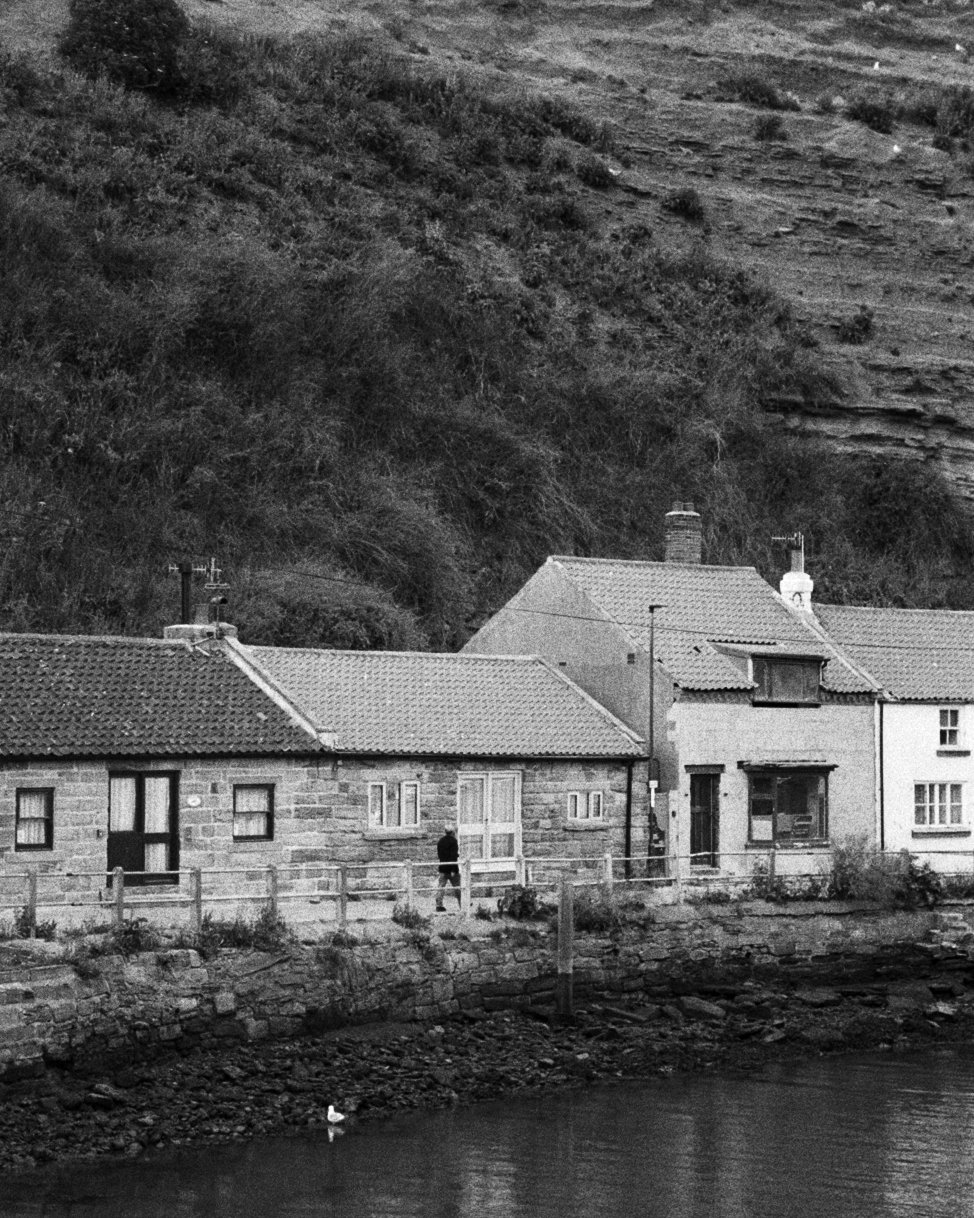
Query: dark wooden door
pixel 704 819
pixel 143 827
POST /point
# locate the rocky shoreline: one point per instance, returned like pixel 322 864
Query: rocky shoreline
pixel 371 1071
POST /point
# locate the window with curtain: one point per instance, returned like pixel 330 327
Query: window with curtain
pixel 253 812
pixel 35 819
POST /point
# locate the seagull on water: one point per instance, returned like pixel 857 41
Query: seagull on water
pixel 334 1117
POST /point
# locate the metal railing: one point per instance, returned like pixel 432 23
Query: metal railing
pixel 336 893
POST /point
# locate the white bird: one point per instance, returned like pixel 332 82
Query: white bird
pixel 876 66
pixel 333 1116
pixel 897 150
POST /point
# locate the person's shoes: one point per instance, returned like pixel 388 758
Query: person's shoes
pixel 439 909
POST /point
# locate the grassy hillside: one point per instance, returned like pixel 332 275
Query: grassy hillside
pixel 368 333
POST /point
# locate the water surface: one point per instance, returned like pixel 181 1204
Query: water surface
pixel 871 1136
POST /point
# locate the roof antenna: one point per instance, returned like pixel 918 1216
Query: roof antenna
pixel 796 543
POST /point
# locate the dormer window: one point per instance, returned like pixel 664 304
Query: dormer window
pixel 788 681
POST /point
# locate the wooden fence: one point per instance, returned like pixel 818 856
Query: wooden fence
pixel 336 894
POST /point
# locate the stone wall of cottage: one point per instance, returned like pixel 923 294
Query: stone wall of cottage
pixel 83 1012
pixel 321 820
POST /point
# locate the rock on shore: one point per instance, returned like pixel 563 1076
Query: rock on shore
pixel 371 1071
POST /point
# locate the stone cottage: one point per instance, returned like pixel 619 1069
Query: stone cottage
pixel 153 755
pixel 164 757
pixel 506 748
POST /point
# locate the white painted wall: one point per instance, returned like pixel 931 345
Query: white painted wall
pixel 912 753
pixel 725 733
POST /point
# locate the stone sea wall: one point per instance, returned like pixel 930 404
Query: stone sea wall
pixel 66 1009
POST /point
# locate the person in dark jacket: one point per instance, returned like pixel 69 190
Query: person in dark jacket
pixel 448 852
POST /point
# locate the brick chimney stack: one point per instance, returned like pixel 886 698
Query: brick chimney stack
pixel 684 534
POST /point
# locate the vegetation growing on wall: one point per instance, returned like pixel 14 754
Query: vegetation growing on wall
pixel 357 329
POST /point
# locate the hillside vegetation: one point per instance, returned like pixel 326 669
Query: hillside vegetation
pixel 362 330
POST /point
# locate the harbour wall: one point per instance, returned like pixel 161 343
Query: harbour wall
pixel 64 1007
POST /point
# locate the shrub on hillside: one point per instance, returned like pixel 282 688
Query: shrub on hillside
pixel 755 90
pixel 769 127
pixel 685 203
pixel 876 113
pixel 135 44
pixel 855 330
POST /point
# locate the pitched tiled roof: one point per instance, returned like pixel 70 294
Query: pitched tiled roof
pixel 66 696
pixel 916 654
pixel 702 606
pixel 458 705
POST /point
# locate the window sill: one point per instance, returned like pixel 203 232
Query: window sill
pixel 252 841
pixel 942 831
pixel 807 705
pixel 953 752
pixel 811 843
pixel 391 835
pixel 586 826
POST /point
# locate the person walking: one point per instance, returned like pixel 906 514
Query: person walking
pixel 448 852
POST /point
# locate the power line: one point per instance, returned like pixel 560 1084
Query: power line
pixel 715 636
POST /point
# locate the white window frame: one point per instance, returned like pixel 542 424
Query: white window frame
pixel 414 824
pixel 379 794
pixel 383 792
pixel 936 808
pixel 949 720
pixel 586 805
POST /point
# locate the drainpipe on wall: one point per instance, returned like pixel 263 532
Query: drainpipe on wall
pixel 880 776
pixel 628 846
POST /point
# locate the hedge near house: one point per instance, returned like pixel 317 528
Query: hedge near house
pixel 135 44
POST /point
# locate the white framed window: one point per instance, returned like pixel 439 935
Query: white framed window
pixel 392 807
pixel 585 805
pixel 253 812
pixel 938 804
pixel 377 804
pixel 409 805
pixel 949 727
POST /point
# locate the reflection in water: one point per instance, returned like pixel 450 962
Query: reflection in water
pixel 870 1137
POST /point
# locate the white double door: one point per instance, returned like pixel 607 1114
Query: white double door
pixel 489 818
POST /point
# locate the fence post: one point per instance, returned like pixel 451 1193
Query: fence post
pixel 772 866
pixel 272 890
pixel 196 896
pixel 118 889
pixel 677 880
pixel 519 870
pixel 465 887
pixel 343 896
pixel 407 880
pixel 32 904
pixel 564 996
pixel 609 878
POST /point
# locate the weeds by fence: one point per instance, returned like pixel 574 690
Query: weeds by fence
pixel 260 901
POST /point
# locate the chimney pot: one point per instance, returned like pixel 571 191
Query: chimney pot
pixel 684 534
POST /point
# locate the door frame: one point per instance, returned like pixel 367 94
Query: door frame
pixel 707 853
pixel 137 838
pixel 488 777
